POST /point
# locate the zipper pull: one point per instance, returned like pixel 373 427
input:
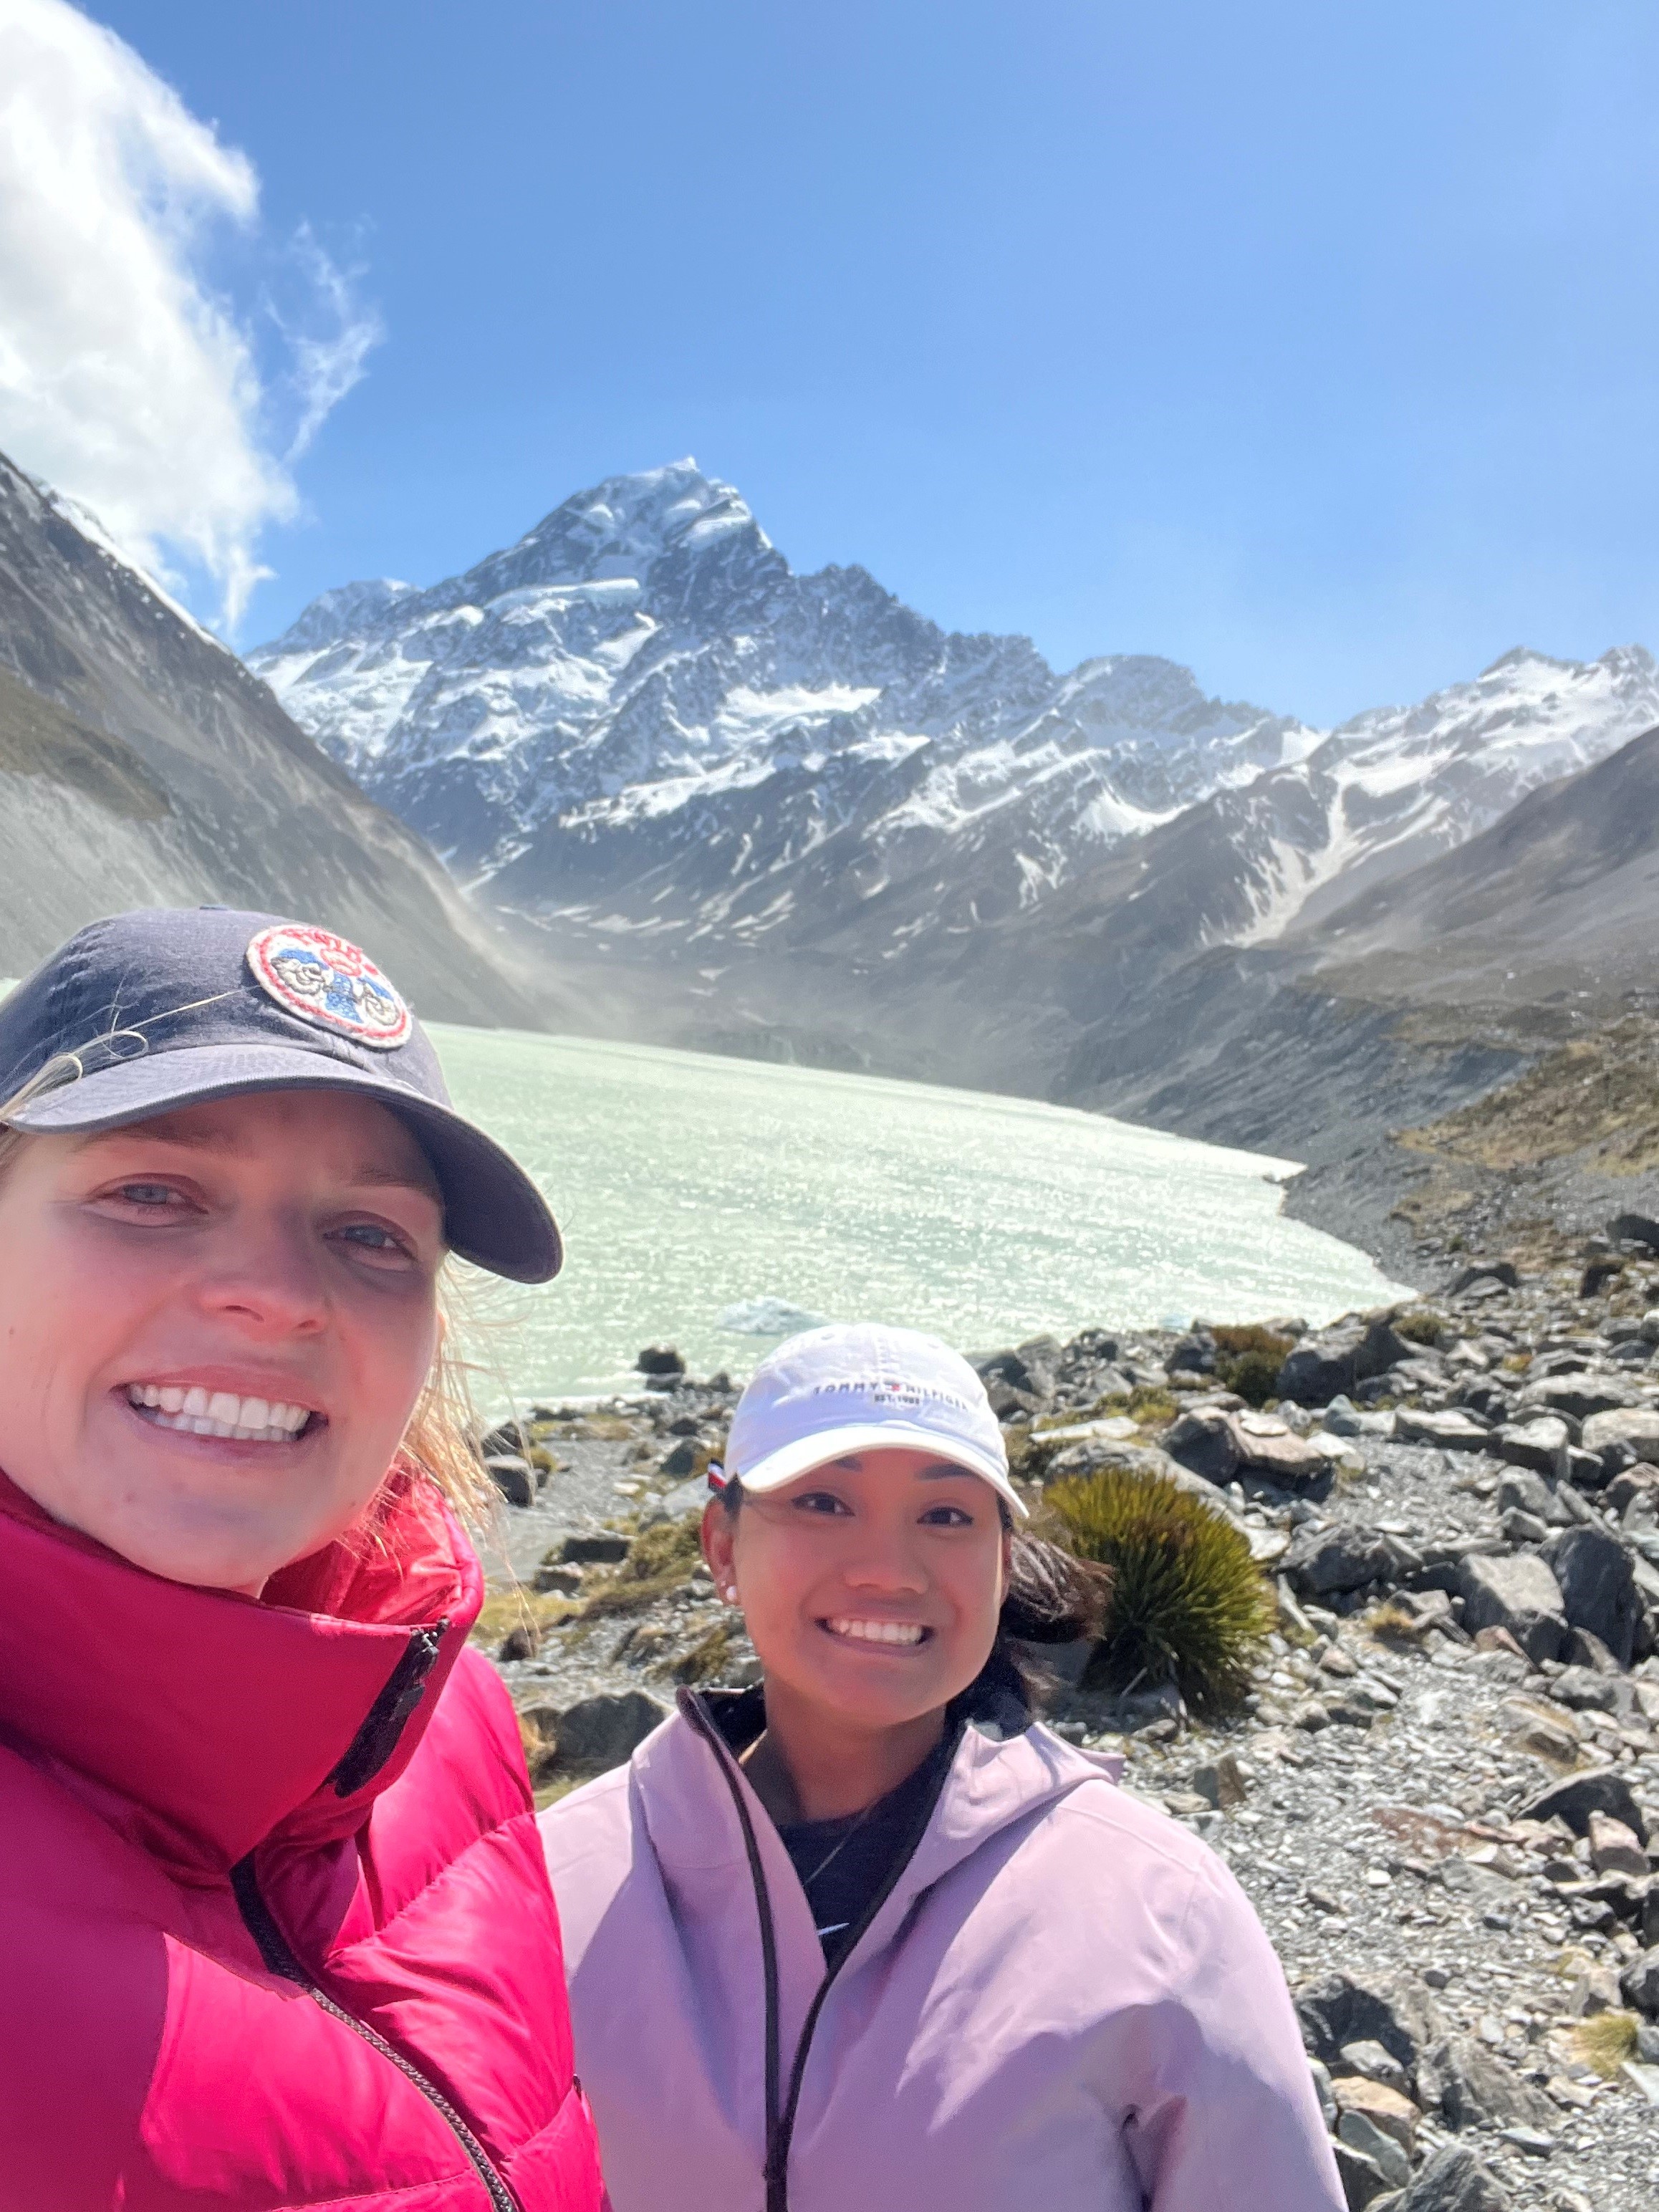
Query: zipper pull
pixel 377 1739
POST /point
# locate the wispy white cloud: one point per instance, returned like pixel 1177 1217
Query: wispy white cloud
pixel 127 379
pixel 329 362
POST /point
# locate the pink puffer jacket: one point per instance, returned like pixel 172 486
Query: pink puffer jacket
pixel 275 1929
pixel 1064 2002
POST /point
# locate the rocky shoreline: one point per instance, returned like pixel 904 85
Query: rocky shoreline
pixel 1441 1791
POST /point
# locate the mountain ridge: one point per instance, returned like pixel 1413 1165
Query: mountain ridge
pixel 786 815
pixel 143 764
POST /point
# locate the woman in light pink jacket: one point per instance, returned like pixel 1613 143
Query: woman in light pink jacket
pixel 868 1937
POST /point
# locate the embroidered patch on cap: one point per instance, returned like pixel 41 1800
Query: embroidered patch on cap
pixel 328 983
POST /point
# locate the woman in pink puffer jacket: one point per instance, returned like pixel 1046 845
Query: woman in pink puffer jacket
pixel 274 1927
pixel 867 1935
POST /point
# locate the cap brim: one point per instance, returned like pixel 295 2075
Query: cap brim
pixel 802 1454
pixel 494 1215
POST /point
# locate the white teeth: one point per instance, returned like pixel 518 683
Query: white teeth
pixel 879 1631
pixel 194 1413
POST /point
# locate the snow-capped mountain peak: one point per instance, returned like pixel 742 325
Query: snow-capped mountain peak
pixel 645 653
pixel 1394 787
pixel 639 720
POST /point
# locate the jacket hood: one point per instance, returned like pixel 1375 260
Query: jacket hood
pixel 199 1722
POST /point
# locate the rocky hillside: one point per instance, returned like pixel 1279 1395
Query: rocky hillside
pixel 1555 901
pixel 141 764
pixel 1440 1790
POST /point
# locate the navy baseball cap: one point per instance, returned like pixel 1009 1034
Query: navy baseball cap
pixel 144 1012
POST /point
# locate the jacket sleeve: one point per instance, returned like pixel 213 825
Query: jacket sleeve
pixel 1227 2118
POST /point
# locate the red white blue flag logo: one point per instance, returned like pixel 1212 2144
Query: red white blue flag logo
pixel 330 983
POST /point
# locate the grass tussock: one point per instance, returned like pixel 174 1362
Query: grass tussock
pixel 1188 1603
pixel 708 1660
pixel 1248 1359
pixel 519 1608
pixel 1421 1326
pixel 1148 1403
pixel 1392 1623
pixel 1606 2040
pixel 660 1560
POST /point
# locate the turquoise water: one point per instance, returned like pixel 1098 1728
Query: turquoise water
pixel 703 1199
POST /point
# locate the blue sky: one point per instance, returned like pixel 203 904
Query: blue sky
pixel 1312 345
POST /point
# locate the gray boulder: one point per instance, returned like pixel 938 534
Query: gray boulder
pixel 1471 2087
pixel 1523 1490
pixel 1381 1348
pixel 659 1359
pixel 1449 1430
pixel 1269 1451
pixel 1490 1400
pixel 1501 1271
pixel 1454 2180
pixel 1635 1493
pixel 1194 1354
pixel 1009 1370
pixel 1597 1582
pixel 1362 2180
pixel 1579 1396
pixel 1519 1594
pixel 1624 1438
pixel 603 1550
pixel 515 1478
pixel 1540 1443
pixel 1041 1356
pixel 1586 1689
pixel 1601 1789
pixel 1322 2081
pixel 1204 1443
pixel 1638 1984
pixel 1323 1561
pixel 1321 1368
pixel 1392 2010
pixel 1330 1362
pixel 1219 1445
pixel 1361 2133
pixel 597 1733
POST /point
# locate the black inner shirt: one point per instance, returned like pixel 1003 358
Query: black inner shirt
pixel 843 1864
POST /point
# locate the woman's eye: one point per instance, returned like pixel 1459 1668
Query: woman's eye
pixel 946 1517
pixel 821 1501
pixel 153 1197
pixel 374 1240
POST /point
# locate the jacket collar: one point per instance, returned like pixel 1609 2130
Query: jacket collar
pixel 1006 1768
pixel 200 1724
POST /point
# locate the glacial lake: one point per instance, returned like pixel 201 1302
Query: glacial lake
pixel 715 1204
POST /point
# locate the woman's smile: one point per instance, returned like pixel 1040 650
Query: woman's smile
pixel 196 1409
pixel 892 1635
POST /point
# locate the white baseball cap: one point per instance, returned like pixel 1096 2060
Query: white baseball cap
pixel 858 1386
